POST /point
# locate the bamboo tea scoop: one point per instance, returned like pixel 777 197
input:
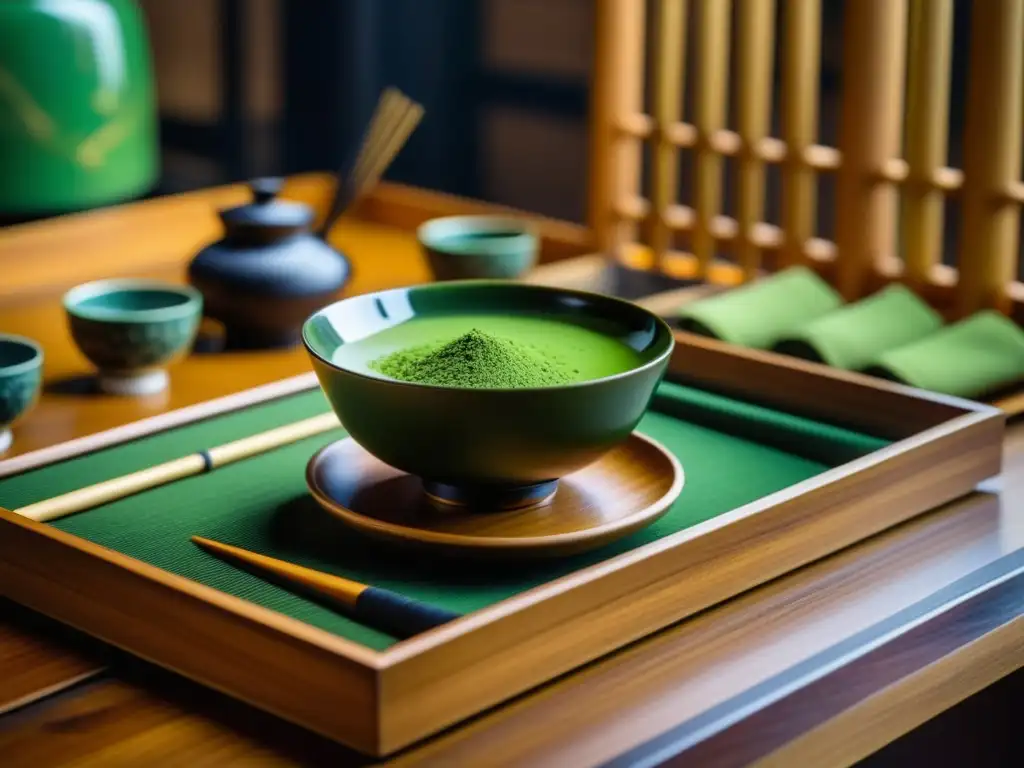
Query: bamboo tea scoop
pixel 193 464
pixel 378 608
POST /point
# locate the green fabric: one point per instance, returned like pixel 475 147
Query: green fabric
pixel 968 359
pixel 852 337
pixel 730 451
pixel 809 439
pixel 759 313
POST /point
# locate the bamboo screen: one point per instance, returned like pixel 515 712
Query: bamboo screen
pixel 893 189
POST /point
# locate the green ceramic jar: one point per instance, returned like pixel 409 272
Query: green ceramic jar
pixel 21 376
pixel 77 110
pixel 132 330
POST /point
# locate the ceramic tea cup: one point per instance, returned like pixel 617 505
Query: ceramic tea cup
pixel 21 375
pixel 470 247
pixel 462 441
pixel 132 330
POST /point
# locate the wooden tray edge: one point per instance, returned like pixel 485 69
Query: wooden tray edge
pixel 974 430
pixel 333 686
pixel 600 609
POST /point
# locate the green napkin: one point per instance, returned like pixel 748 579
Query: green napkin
pixel 968 359
pixel 853 337
pixel 758 313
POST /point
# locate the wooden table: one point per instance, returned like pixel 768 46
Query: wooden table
pixel 824 666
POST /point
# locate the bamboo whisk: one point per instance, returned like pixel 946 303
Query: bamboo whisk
pixel 393 121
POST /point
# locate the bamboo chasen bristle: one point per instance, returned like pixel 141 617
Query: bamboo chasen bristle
pixel 393 121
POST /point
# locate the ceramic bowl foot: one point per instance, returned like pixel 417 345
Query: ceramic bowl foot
pixel 489 498
pixel 133 385
pixel 6 438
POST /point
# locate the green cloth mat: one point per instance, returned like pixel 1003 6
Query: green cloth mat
pixel 262 503
pixel 759 313
pixel 970 359
pixel 853 337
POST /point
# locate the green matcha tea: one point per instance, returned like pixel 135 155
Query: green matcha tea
pixel 489 352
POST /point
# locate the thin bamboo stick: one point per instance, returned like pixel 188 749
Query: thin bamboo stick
pixel 618 70
pixel 801 67
pixel 992 156
pixel 756 41
pixel 712 91
pixel 873 62
pixel 177 469
pixel 669 25
pixel 930 57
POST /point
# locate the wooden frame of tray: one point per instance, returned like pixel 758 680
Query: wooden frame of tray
pixel 379 702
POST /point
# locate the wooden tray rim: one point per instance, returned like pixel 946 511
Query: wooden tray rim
pixel 410 656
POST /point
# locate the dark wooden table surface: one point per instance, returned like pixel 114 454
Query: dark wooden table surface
pixel 825 666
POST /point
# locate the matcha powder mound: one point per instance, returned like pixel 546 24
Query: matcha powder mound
pixel 476 360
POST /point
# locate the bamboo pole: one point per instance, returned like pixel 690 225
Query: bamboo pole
pixel 756 41
pixel 869 136
pixel 617 92
pixel 121 487
pixel 712 49
pixel 801 68
pixel 930 57
pixel 669 56
pixel 992 156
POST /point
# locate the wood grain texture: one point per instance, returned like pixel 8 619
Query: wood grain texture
pixel 38 659
pixel 154 720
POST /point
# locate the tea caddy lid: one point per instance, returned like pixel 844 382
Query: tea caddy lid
pixel 266 218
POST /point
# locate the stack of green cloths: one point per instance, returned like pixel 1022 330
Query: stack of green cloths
pixel 892 334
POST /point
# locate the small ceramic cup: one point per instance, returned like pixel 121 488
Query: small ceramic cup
pixel 21 376
pixel 132 330
pixel 470 247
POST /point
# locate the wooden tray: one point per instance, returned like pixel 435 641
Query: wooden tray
pixel 379 697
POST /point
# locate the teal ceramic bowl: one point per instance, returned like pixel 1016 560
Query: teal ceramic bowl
pixel 132 330
pixel 479 247
pixel 21 376
pixel 465 442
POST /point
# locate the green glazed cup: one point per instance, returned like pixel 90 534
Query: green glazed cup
pixel 479 247
pixel 21 376
pixel 132 330
pixel 486 442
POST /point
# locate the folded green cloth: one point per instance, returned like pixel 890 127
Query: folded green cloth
pixel 758 313
pixel 970 359
pixel 853 337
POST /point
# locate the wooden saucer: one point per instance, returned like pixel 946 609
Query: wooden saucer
pixel 628 488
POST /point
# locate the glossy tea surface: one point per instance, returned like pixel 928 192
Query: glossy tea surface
pixel 583 352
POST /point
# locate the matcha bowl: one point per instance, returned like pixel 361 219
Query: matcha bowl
pixel 21 376
pixel 132 330
pixel 493 442
pixel 479 247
